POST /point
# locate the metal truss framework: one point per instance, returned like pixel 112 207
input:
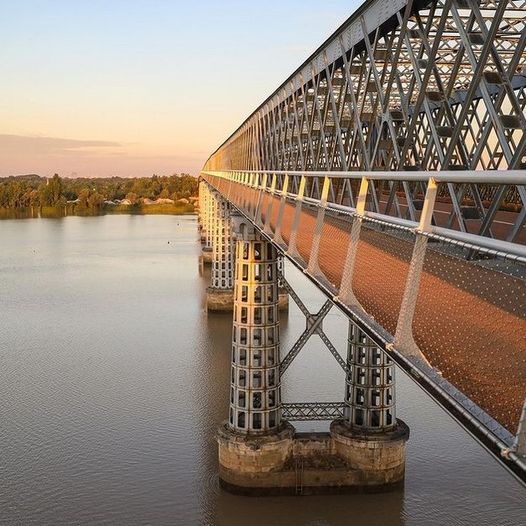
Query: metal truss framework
pixel 407 125
pixel 256 196
pixel 404 85
pixel 314 326
pixel 307 411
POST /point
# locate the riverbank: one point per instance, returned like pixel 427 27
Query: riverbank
pixel 75 210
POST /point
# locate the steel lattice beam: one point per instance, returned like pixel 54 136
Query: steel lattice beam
pixel 307 411
pixel 410 119
pixel 403 85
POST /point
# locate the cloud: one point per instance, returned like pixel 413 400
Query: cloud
pixel 50 145
pixel 20 154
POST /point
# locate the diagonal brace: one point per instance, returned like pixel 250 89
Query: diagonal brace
pixel 314 326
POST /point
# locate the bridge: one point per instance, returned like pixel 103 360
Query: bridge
pixel 389 169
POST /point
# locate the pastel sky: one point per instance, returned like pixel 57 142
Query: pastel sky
pixel 136 87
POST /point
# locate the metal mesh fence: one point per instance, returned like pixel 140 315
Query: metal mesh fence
pixel 470 323
pixel 251 200
pixel 305 232
pixel 222 184
pixel 264 202
pixel 274 212
pixel 333 247
pixel 380 273
pixel 287 220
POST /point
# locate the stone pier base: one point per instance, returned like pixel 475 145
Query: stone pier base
pixel 219 300
pixel 206 255
pixel 290 463
pixel 380 457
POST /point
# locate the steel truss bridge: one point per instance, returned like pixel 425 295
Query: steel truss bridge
pixel 389 167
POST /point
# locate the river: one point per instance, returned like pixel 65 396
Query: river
pixel 113 380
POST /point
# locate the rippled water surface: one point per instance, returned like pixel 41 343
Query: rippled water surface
pixel 113 380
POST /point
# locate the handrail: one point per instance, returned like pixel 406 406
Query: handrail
pixel 511 177
pixel 505 177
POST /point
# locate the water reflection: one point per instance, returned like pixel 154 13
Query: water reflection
pixel 113 380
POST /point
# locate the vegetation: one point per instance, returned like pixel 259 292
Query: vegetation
pixel 91 195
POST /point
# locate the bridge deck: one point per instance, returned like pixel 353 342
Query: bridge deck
pixel 470 320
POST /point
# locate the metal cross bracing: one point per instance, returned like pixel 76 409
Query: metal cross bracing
pixel 389 168
pixel 308 411
pixel 314 326
pixel 433 86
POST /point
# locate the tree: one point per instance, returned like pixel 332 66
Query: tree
pixel 165 193
pixel 132 197
pixel 51 192
pixel 90 199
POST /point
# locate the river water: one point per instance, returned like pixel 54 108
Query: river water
pixel 113 380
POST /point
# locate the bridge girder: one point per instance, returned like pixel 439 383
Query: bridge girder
pixel 406 99
pixel 403 85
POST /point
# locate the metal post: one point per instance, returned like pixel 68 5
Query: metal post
pixel 313 266
pixel 346 294
pixel 292 250
pixel 404 340
pixel 267 228
pixel 277 234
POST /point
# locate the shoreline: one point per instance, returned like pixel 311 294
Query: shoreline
pixel 73 210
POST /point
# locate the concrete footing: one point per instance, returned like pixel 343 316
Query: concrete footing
pixel 206 255
pixel 290 463
pixel 219 300
pixel 222 300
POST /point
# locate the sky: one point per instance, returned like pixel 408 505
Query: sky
pixel 94 88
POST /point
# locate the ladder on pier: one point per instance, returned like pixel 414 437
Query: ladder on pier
pixel 298 468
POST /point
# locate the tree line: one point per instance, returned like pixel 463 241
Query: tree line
pixel 26 191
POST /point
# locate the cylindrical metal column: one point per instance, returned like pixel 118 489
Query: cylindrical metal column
pixel 207 217
pixel 369 384
pixel 255 382
pixel 222 245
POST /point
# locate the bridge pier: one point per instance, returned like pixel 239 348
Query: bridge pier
pixel 207 215
pixel 283 296
pixel 220 295
pixel 219 251
pixel 370 437
pixel 259 453
pixel 200 213
pixel 254 443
